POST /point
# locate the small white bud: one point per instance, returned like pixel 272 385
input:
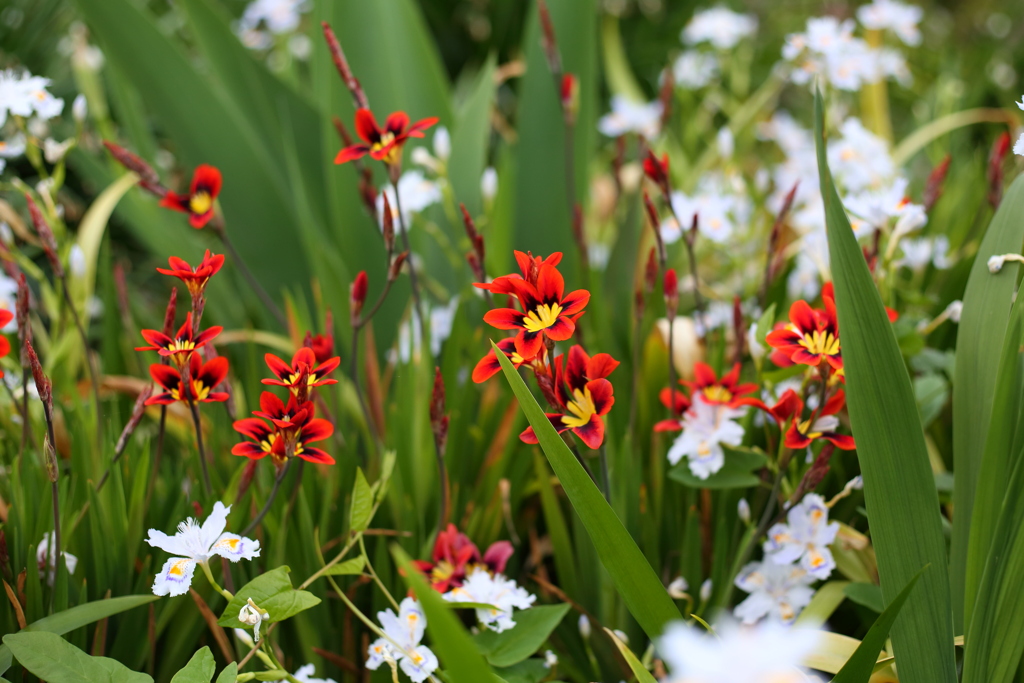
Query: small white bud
pixel 954 309
pixel 995 263
pixel 421 157
pixel 80 108
pixel 442 143
pixel 252 615
pixel 550 659
pixel 584 626
pixel 489 184
pixel 705 590
pixel 621 635
pixel 677 589
pixel 743 510
pixel 726 143
pixel 76 261
pixel 6 234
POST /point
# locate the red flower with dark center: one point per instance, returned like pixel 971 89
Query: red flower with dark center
pixel 283 416
pixel 549 312
pixel 196 278
pixel 281 444
pixel 304 363
pixel 202 193
pixel 720 392
pixel 454 554
pixel 204 378
pixel 820 425
pixel 181 346
pixel 5 346
pixel 677 402
pixel 529 267
pixel 383 144
pixel 584 393
pixel 489 365
pixel 811 336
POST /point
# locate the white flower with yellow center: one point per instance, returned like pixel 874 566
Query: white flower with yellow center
pixel 23 94
pixel 196 544
pixel 719 26
pixel 898 17
pixel 805 538
pixel 777 591
pixel 628 116
pixel 402 645
pixel 706 428
pixel 496 590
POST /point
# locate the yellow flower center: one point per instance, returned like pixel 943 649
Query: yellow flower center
pixel 582 407
pixel 181 346
pixel 542 318
pixel 200 391
pixel 200 202
pixel 820 342
pixel 717 394
pixel 178 568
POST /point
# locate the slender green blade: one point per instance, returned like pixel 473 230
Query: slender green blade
pixel 470 138
pixel 638 669
pixel 978 387
pixel 861 664
pixel 646 598
pixel 899 488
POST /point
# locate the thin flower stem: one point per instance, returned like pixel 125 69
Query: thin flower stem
pixel 159 452
pixel 373 575
pixel 267 300
pixel 14 401
pixel 199 442
pixel 270 500
pixel 442 475
pixel 256 649
pixel 209 577
pixel 24 411
pixel 412 268
pixel 55 491
pixel 93 379
pixel 698 300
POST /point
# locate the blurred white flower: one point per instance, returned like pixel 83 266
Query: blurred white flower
pixel 953 310
pixel 196 543
pixel 718 210
pixel 859 159
pixel 8 300
pixel 900 18
pixel 733 654
pixel 693 69
pixel 583 624
pixel 489 184
pixel 550 659
pixel 628 116
pixel 54 151
pixel 305 675
pixel 405 629
pixel 492 589
pixel 873 209
pixel 442 143
pixel 827 48
pixel 12 148
pixel 80 108
pixel 743 511
pixel 705 590
pixel 726 142
pixel 416 193
pixel 76 261
pixel 300 46
pixel 677 588
pixel 777 591
pixel 46 558
pixel 279 16
pixel 706 427
pixel 918 253
pixel 719 26
pixel 804 537
pixel 22 94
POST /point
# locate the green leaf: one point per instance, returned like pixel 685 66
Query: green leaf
pixel 528 671
pixel 228 674
pixel 348 567
pixel 55 660
pixel 638 669
pixel 77 617
pixel 867 594
pixel 899 488
pixel 980 334
pixel 859 667
pixel 448 638
pixel 824 603
pixel 533 626
pixel 645 597
pixel 738 472
pixel 272 592
pixel 470 138
pixel 362 503
pixel 558 530
pixel 199 669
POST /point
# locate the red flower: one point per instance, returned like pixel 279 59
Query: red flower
pixel 283 416
pixel 181 346
pixel 5 346
pixel 454 554
pixel 529 266
pixel 549 312
pixel 811 336
pixel 724 392
pixel 489 365
pixel 584 393
pixel 282 443
pixel 304 364
pixel 196 278
pixel 204 379
pixel 384 145
pixel 657 170
pixel 199 201
pixel 820 425
pixel 677 402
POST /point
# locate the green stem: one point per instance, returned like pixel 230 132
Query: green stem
pixel 209 577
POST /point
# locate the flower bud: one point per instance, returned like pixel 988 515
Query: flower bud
pixel 169 314
pixel 388 224
pixel 24 326
pixel 743 510
pixel 252 615
pixel 489 184
pixel 43 385
pixel 45 236
pixel 396 266
pixel 548 40
pixel 954 309
pixel 671 291
pixel 995 169
pixel 438 420
pixel 652 216
pixel 357 295
pixel 148 178
pixel 705 590
pixel 677 589
pixel 80 108
pixel 442 143
pixel 570 97
pixel 584 627
pixel 936 181
pixel 995 263
pixel 651 271
pixel 657 171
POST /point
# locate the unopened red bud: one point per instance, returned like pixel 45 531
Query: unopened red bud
pixel 43 385
pixel 149 180
pixel 248 474
pixel 388 224
pixel 396 266
pixel 668 83
pixel 670 287
pixel 341 64
pixel 339 126
pixel 652 216
pixel 22 310
pixel 936 182
pixel 570 97
pixel 475 266
pixel 657 170
pixel 995 169
pixel 651 271
pixel 133 422
pixel 548 40
pixel 49 242
pixel 171 312
pixel 639 303
pixel 437 398
pixel 367 191
pixel 357 294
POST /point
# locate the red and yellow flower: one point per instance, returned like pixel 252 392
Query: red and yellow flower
pixel 455 554
pixel 811 336
pixel 547 311
pixel 726 391
pixel 202 194
pixel 196 278
pixel 821 424
pixel 181 346
pixel 585 394
pixel 678 403
pixel 383 144
pixel 203 378
pixel 489 365
pixel 283 442
pixel 304 373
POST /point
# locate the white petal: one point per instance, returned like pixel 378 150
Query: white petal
pixel 175 577
pixel 175 545
pixel 214 525
pixel 235 547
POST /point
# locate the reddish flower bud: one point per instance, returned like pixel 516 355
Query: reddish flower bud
pixel 936 181
pixel 639 303
pixel 357 295
pixel 323 344
pixel 570 97
pixel 651 271
pixel 670 287
pixel 438 420
pixel 339 126
pixel 388 224
pixel 652 216
pixel 171 312
pixel 668 84
pixel 341 64
pixel 657 170
pixel 548 40
pixel 995 169
pixel 368 192
pixel 45 236
pixel 396 266
pixel 149 180
pixel 248 474
pixel 739 329
pixel 133 422
pixel 24 325
pixel 43 385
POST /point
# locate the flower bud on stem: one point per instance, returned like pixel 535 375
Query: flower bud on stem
pixel 45 389
pixel 439 425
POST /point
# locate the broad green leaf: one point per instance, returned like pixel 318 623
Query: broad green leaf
pixel 638 669
pixel 199 669
pixel 824 603
pixel 738 472
pixel 448 638
pixel 533 626
pixel 528 671
pixel 470 138
pixel 646 598
pixel 348 567
pixel 273 592
pixel 867 594
pixel 77 617
pixel 227 675
pixel 979 340
pixel 362 503
pixel 94 224
pixel 859 667
pixel 55 660
pixel 899 488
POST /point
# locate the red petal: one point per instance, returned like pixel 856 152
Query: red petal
pixel 165 375
pixel 504 319
pixel 528 436
pixel 575 301
pixel 592 433
pixel 206 178
pixel 835 403
pixel 156 339
pixel 366 126
pixel 668 426
pixel 601 365
pixel 253 427
pixel 317 430
pixel 214 371
pixel 397 122
pixel 550 284
pixel 562 329
pixel 529 344
pixel 5 347
pixel 249 450
pixel 351 154
pixel 487 367
pixel 703 375
pixel 277 366
pixel 802 315
pixel 841 441
pixel 5 317
pixel 208 334
pixel 789 405
pixel 173 200
pixel 576 367
pixel 415 130
pixel 601 393
pixel 801 355
pixel 271 405
pixel 198 220
pixel 316 455
pixel 795 440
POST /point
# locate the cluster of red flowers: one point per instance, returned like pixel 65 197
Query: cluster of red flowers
pixel 726 391
pixel 577 386
pixel 455 556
